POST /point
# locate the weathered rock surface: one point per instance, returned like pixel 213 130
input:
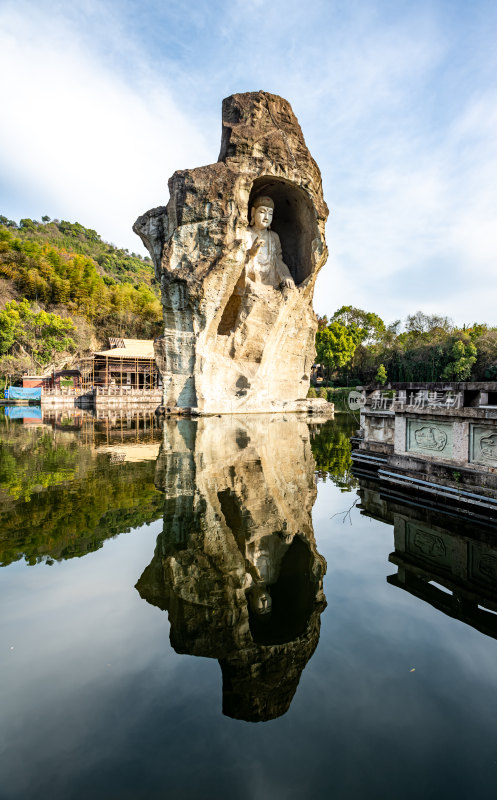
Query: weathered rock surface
pixel 236 566
pixel 230 344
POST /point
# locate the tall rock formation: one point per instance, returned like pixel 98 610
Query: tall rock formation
pixel 236 566
pixel 238 321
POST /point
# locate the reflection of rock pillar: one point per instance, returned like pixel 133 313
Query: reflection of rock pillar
pixel 259 683
pixel 239 494
pixel 224 348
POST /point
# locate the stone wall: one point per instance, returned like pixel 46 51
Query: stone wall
pixel 455 449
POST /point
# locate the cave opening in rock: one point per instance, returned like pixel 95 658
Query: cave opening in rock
pixel 294 220
pixel 293 599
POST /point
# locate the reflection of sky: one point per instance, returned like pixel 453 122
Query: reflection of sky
pixel 95 702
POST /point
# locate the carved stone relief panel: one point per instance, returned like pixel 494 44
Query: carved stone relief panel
pixel 430 437
pixel 483 445
pixel 427 545
pixel 483 565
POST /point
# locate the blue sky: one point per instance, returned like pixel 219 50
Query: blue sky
pixel 397 102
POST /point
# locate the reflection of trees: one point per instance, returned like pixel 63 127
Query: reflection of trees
pixel 59 499
pixel 31 462
pixel 331 449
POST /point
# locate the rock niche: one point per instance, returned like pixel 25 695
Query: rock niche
pixel 237 251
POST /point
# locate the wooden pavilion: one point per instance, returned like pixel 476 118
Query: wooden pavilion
pixel 128 363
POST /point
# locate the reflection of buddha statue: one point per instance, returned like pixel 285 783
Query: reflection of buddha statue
pixel 264 557
pixel 236 566
pixel 264 265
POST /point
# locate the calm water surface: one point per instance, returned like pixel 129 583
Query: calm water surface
pixel 221 609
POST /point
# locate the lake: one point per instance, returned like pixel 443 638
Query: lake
pixel 220 608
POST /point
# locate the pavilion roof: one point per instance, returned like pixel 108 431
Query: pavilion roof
pixel 133 348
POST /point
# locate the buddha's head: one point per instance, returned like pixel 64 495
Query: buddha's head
pixel 262 212
pixel 259 599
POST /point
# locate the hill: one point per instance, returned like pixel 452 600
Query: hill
pixel 112 262
pixel 66 271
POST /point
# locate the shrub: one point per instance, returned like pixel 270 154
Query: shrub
pixel 381 375
pixel 339 396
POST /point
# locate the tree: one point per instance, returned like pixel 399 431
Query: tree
pixel 332 451
pixel 381 375
pixel 9 327
pixel 36 334
pixel 335 346
pixel 486 363
pixel 425 323
pixel 52 336
pixel 428 348
pixel 464 355
pixel 27 223
pixel 15 366
pixel 365 326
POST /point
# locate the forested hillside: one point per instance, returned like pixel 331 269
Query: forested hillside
pixel 111 262
pixel 87 290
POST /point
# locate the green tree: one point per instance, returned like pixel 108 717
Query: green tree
pixel 381 375
pixel 38 334
pixel 10 322
pixel 464 356
pixel 27 223
pixel 335 346
pixel 60 498
pixel 365 326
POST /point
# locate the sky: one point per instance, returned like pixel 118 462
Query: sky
pixel 103 101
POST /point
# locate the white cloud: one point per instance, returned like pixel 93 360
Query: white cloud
pixel 96 148
pixel 414 225
pixel 399 109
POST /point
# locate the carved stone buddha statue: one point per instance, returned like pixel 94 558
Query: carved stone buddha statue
pixel 264 264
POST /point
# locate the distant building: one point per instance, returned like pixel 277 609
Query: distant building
pixel 51 379
pixel 128 363
pixel 32 381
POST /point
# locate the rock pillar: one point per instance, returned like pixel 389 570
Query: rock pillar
pixel 236 337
